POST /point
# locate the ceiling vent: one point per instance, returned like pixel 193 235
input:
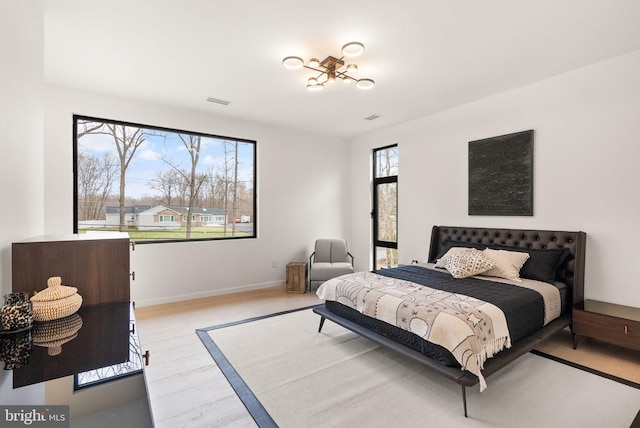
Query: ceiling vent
pixel 218 101
pixel 372 117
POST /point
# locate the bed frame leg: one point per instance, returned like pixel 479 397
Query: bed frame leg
pixel 464 400
pixel 321 324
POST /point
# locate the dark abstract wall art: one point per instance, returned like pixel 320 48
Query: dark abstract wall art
pixel 501 175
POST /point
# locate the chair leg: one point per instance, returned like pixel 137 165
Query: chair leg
pixel 321 324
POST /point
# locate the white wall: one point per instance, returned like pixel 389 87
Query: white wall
pixel 301 197
pixel 21 177
pixel 586 174
pixel 21 106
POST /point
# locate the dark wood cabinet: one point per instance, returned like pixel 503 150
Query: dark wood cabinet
pixel 97 265
pixel 100 338
pixel 611 323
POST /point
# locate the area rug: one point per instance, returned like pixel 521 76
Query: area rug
pixel 289 375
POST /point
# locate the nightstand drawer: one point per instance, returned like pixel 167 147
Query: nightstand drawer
pixel 618 331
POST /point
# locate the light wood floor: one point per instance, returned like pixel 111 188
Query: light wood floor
pixel 186 388
pixel 613 360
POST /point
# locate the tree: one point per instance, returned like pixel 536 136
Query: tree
pixel 127 140
pixel 88 127
pixel 168 183
pixel 235 189
pixel 192 179
pixel 212 189
pixel 229 179
pixel 95 178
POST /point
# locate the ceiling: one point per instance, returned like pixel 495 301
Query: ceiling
pixel 424 55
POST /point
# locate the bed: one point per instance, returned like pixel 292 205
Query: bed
pixel 508 316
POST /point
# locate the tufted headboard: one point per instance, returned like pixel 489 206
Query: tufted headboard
pixel 571 273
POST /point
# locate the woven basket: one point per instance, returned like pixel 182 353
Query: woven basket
pixel 56 301
pixel 53 334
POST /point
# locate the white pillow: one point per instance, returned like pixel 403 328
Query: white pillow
pixel 465 262
pixel 508 263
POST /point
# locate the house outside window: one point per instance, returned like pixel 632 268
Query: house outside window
pixel 165 218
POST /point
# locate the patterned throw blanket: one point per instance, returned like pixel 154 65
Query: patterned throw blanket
pixel 471 329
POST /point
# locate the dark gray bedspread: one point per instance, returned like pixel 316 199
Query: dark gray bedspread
pixel 523 308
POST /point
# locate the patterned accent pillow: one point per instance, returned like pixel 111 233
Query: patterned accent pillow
pixel 508 263
pixel 465 262
pixel 450 252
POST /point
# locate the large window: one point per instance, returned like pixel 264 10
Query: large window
pixel 162 184
pixel 385 207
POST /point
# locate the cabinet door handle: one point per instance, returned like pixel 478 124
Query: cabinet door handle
pixel 626 329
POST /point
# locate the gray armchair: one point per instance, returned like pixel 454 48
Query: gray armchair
pixel 330 259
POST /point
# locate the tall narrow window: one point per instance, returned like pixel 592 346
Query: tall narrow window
pixel 385 206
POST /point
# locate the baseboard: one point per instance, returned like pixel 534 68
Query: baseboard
pixel 208 293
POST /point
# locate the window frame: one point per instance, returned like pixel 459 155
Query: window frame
pixel 377 181
pixel 253 235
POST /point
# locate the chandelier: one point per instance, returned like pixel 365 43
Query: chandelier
pixel 331 68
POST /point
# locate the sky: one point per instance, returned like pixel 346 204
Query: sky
pixel 160 150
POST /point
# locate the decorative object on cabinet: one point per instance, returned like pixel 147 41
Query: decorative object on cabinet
pixel 608 322
pixel 56 301
pixel 16 313
pixel 15 349
pixel 501 175
pixel 53 334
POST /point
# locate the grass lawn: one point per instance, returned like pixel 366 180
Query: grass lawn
pixel 160 235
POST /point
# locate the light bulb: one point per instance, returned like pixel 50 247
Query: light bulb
pixel 365 84
pixel 352 49
pixel 292 62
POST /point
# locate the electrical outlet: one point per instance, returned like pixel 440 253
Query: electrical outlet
pixel 274 263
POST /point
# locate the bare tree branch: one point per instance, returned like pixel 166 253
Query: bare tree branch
pixel 88 127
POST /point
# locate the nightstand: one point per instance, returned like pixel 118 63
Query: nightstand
pixel 608 322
